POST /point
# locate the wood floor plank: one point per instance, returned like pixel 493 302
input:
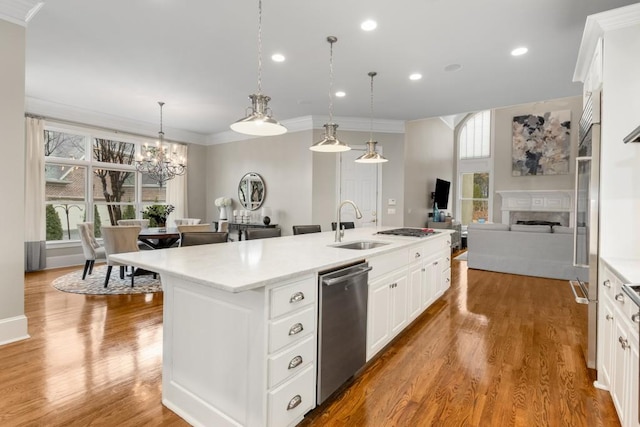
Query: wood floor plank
pixel 496 350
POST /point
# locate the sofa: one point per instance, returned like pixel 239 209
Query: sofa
pixel 531 250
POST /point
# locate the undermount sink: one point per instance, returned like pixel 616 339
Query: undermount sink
pixel 359 245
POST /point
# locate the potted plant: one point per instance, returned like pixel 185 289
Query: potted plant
pixel 157 214
pixel 222 203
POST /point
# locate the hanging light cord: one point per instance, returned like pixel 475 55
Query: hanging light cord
pixel 161 133
pixel 331 41
pixel 259 47
pixel 371 74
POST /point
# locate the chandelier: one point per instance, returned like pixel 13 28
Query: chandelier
pixel 330 143
pixel 158 161
pixel 371 156
pixel 258 121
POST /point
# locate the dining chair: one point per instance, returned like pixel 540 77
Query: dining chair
pixel 90 247
pixel 262 233
pixel 194 228
pixel 193 238
pixel 118 239
pixel 187 221
pixel 306 229
pixel 343 225
pixel 143 223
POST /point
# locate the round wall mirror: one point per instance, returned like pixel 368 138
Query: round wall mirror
pixel 252 191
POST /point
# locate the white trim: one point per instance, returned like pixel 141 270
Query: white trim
pixel 536 200
pixel 19 12
pixel 66 261
pixel 13 329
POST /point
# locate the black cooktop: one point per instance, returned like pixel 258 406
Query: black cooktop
pixel 412 232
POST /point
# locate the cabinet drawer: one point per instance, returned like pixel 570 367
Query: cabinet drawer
pixel 291 361
pixel 383 264
pixel 417 253
pixel 445 259
pixel 607 283
pixel 289 402
pixel 291 329
pixel 287 298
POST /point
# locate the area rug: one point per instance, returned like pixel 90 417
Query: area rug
pixel 461 257
pixel 94 283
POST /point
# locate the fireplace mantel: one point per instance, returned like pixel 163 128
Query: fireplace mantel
pixel 536 200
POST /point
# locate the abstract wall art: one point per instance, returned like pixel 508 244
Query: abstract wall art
pixel 541 144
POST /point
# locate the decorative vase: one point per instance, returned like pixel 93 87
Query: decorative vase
pixel 223 212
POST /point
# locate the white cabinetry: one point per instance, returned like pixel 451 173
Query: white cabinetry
pixel 387 311
pixel 619 346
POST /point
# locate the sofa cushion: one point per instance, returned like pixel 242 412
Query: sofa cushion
pixel 531 228
pixel 488 226
pixel 560 229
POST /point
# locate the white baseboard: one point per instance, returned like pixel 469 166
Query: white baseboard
pixel 65 261
pixel 13 329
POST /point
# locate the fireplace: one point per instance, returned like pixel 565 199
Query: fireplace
pixel 537 205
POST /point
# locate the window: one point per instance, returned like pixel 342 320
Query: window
pixel 92 177
pixel 474 169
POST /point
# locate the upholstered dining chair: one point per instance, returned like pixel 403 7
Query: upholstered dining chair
pixel 262 233
pixel 194 228
pixel 306 229
pixel 143 223
pixel 90 247
pixel 119 239
pixel 187 221
pixel 343 225
pixel 193 238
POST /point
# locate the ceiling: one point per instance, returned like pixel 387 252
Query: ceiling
pixel 119 58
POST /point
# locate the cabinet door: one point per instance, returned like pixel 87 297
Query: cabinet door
pixel 607 343
pixel 414 301
pixel 429 284
pixel 398 303
pixel 378 316
pixel 620 372
pixel 632 415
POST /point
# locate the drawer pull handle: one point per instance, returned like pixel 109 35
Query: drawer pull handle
pixel 417 254
pixel 296 329
pixel 635 318
pixel 620 297
pixel 448 259
pixel 435 263
pixel 609 317
pixel 607 283
pixel 624 343
pixel 294 402
pixel 295 362
pixel 297 297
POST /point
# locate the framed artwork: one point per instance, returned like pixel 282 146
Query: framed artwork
pixel 541 144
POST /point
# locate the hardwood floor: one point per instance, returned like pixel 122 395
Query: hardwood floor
pixel 496 350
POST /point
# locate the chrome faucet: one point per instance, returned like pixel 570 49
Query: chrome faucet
pixel 339 230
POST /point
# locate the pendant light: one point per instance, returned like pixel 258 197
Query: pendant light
pixel 371 156
pixel 258 121
pixel 330 144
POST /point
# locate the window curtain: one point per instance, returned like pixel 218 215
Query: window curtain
pixel 177 188
pixel 35 246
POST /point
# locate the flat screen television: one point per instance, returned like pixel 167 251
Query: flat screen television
pixel 441 195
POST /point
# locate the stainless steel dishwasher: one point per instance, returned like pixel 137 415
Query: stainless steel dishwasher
pixel 342 326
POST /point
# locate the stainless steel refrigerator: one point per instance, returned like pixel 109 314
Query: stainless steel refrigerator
pixel 587 198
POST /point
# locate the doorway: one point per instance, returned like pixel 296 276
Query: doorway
pixel 362 183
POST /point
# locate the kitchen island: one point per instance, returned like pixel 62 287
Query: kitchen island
pixel 240 319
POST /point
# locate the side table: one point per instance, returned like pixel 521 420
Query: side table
pixel 456 237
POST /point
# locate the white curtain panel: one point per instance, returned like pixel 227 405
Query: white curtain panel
pixel 177 188
pixel 35 228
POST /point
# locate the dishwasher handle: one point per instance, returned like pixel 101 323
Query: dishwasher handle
pixel 333 281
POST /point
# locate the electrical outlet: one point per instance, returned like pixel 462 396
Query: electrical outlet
pixel 391 211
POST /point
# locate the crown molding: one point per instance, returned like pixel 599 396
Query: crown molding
pixel 595 27
pixel 19 12
pixel 72 115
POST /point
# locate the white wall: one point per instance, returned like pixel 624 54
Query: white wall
pixel 502 135
pixel 428 154
pixel 620 163
pixel 13 323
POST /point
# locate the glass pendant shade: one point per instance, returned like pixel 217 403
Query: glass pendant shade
pixel 371 156
pixel 330 144
pixel 259 122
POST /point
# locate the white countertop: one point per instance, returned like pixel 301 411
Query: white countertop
pixel 627 269
pixel 250 264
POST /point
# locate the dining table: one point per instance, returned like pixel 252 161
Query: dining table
pixel 159 237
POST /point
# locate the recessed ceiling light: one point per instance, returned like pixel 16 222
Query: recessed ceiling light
pixel 453 67
pixel 415 76
pixel 340 94
pixel 369 25
pixel 277 57
pixel 519 51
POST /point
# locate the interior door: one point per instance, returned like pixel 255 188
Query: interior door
pixel 359 182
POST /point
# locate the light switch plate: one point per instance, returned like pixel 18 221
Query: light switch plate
pixel 391 211
pixel 392 202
